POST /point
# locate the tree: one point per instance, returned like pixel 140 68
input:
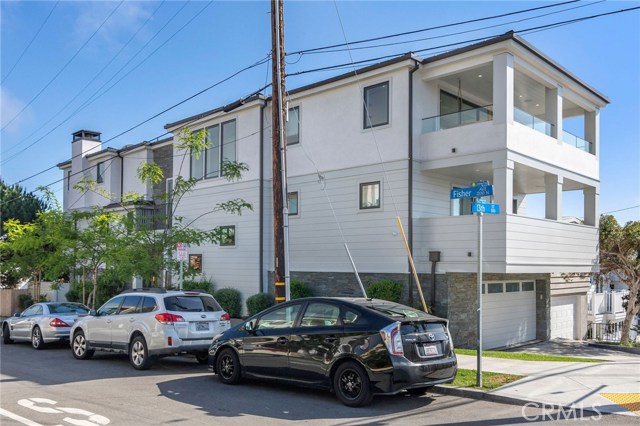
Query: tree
pixel 19 204
pixel 620 254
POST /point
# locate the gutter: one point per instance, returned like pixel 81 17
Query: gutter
pixel 261 197
pixel 410 177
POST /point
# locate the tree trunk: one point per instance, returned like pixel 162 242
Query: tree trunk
pixel 95 287
pixel 632 310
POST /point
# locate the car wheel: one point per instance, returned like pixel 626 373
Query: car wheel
pixel 202 357
pixel 36 338
pixel 228 367
pixel 6 337
pixel 79 346
pixel 139 354
pixel 418 391
pixel 351 385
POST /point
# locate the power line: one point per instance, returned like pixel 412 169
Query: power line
pixel 64 67
pixel 621 210
pixel 30 42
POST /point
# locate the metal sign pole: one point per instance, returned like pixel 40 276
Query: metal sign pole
pixel 479 367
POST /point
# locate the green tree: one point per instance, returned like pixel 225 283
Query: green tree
pixel 620 254
pixel 19 204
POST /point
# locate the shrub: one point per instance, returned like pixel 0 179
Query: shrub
pixel 299 289
pixel 206 285
pixel 259 302
pixel 24 301
pixel 230 300
pixel 75 293
pixel 386 290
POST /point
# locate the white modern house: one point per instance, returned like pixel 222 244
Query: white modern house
pixel 391 141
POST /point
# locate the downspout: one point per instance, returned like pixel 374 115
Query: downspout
pixel 261 196
pixel 410 177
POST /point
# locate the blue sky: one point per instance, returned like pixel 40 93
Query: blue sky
pixel 135 59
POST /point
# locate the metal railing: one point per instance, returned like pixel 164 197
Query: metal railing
pixel 457 119
pixel 609 332
pixel 573 140
pixel 532 121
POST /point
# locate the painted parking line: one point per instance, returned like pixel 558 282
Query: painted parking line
pixel 18 418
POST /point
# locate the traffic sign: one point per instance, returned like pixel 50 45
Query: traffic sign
pixel 480 190
pixel 486 208
pixel 181 252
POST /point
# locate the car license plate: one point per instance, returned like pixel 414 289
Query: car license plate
pixel 202 326
pixel 430 349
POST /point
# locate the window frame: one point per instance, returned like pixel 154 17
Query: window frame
pixel 235 236
pixel 100 172
pixel 360 198
pixel 366 119
pixel 297 193
pixel 293 108
pixel 206 152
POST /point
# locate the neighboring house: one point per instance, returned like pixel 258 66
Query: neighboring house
pixel 492 111
pixel 605 310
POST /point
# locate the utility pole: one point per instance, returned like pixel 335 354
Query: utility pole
pixel 279 173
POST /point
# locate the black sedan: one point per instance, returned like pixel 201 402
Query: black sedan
pixel 354 347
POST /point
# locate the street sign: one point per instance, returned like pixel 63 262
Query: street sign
pixel 486 208
pixel 181 252
pixel 480 190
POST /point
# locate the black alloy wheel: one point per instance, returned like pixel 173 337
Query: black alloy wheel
pixel 228 367
pixel 351 385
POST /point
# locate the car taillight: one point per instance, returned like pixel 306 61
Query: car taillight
pixel 225 317
pixel 57 322
pixel 167 318
pixel 392 338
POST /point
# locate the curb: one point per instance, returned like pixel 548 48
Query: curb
pixel 625 349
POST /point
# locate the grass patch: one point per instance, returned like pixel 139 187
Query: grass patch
pixel 525 356
pixel 467 379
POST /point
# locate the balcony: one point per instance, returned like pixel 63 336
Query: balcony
pixel 605 307
pixel 532 121
pixel 457 119
pixel 573 140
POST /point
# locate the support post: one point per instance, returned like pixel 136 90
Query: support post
pixel 479 360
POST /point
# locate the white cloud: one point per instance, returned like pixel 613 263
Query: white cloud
pixel 10 106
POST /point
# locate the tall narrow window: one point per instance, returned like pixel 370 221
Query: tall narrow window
pixel 228 236
pixel 228 142
pixel 293 126
pixel 376 105
pixel 213 152
pixel 197 164
pixel 370 195
pixel 221 139
pixel 100 172
pixel 69 180
pixel 292 203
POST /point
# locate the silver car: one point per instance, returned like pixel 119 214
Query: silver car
pixel 42 323
pixel 145 323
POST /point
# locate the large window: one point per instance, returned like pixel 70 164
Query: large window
pixel 100 172
pixel 221 139
pixel 376 105
pixel 228 236
pixel 293 126
pixel 370 195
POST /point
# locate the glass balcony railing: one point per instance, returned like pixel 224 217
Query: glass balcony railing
pixel 457 119
pixel 573 140
pixel 531 121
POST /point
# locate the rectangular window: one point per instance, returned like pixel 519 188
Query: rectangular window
pixel 221 139
pixel 494 288
pixel 376 105
pixel 292 203
pixel 227 236
pixel 513 287
pixel 293 126
pixel 527 286
pixel 100 172
pixel 370 195
pixel 69 180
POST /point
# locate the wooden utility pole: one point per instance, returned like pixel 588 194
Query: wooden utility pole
pixel 278 132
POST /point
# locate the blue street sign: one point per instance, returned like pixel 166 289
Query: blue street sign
pixel 480 190
pixel 486 208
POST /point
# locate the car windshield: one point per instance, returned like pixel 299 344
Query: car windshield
pixel 68 308
pixel 191 304
pixel 398 311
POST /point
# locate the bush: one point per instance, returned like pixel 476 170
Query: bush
pixel 24 301
pixel 386 290
pixel 230 300
pixel 206 285
pixel 259 302
pixel 75 293
pixel 299 289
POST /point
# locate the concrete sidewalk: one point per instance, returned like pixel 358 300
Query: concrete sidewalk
pixel 612 386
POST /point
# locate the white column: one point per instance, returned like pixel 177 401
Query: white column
pixel 592 130
pixel 591 196
pixel 553 111
pixel 553 196
pixel 503 185
pixel 503 88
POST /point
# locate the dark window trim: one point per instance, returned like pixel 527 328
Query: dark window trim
pixel 365 115
pixel 100 172
pixel 375 182
pixel 225 227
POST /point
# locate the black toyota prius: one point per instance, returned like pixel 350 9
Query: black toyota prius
pixel 355 347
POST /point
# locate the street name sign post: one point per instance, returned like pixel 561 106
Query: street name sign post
pixel 181 256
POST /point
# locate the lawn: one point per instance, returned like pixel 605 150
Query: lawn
pixel 467 379
pixel 524 356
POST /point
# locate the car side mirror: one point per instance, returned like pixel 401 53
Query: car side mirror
pixel 249 327
pixel 16 314
pixel 93 313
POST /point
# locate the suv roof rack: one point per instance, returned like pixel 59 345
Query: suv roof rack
pixel 145 290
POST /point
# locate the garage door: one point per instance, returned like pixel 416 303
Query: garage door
pixel 562 315
pixel 508 314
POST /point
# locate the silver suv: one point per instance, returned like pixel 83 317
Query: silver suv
pixel 145 323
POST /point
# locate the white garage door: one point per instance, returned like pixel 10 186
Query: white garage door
pixel 508 313
pixel 562 314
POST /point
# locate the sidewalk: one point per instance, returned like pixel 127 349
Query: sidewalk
pixel 606 387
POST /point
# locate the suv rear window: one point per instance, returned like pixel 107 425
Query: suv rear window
pixel 191 304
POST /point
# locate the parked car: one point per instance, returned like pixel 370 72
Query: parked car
pixel 42 323
pixel 354 347
pixel 145 323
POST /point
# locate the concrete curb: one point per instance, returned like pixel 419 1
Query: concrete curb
pixel 626 349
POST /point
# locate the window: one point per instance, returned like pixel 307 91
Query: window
pixel 292 203
pixel 227 236
pixel 280 318
pixel 293 126
pixel 208 163
pixel 494 288
pixel 513 287
pixel 130 305
pixel 320 315
pixel 351 318
pixel 148 305
pixel 33 310
pixel 376 105
pixel 370 195
pixel 69 180
pixel 111 307
pixel 195 262
pixel 461 206
pixel 100 172
pixel 527 286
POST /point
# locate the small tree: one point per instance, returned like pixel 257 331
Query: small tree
pixel 620 254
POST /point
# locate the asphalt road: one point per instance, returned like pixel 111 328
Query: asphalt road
pixel 50 387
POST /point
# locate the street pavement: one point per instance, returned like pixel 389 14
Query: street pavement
pixel 612 386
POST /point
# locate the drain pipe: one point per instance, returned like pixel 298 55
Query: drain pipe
pixel 434 258
pixel 261 197
pixel 410 176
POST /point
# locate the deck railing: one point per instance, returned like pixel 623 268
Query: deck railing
pixel 457 119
